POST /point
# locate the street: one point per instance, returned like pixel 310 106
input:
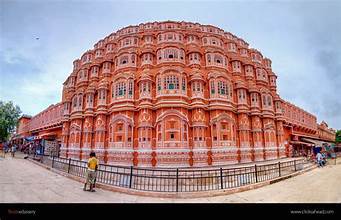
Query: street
pixel 22 181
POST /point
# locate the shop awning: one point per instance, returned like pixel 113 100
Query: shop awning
pixel 48 134
pixel 315 142
pixel 301 142
pixel 31 138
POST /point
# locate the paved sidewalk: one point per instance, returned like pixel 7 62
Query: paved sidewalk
pixel 22 181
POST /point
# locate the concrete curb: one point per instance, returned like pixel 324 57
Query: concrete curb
pixel 177 194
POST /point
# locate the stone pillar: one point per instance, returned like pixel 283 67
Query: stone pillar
pixel 99 129
pixel 257 138
pixel 87 137
pixel 244 138
pixel 280 139
pixel 65 139
pixel 78 146
pixel 270 149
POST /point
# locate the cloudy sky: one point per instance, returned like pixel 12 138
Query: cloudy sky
pixel 302 38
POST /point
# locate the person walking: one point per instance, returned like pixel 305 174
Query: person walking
pixel 319 159
pixel 14 149
pixel 5 149
pixel 91 172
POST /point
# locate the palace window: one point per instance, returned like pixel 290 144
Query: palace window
pixel 232 47
pixel 236 66
pixel 159 84
pixel 243 52
pixel 170 54
pixel 171 82
pixel 74 102
pixel 183 84
pixel 249 70
pixel 170 37
pixel 80 100
pixel 124 60
pixel 106 66
pixel 261 74
pixel 130 89
pixel 98 53
pixel 147 58
pixel 269 101
pixel 194 58
pixel 222 88
pixel 212 87
pixel 120 89
pixel 212 41
pixel 264 100
pixel 242 95
pixel 218 60
pixel 109 48
pixel 148 39
pixel 94 71
pixel 191 38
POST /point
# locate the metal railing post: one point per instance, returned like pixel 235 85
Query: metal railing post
pixel 256 173
pixel 279 168
pixel 131 176
pixel 177 179
pixel 68 169
pixel 295 165
pixel 221 178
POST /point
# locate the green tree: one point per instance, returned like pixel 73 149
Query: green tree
pixel 9 115
pixel 338 137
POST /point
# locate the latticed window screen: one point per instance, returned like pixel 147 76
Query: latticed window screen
pixel 183 84
pixel 130 88
pixel 120 89
pixel 222 88
pixel 212 87
pixel 159 84
pixel 171 82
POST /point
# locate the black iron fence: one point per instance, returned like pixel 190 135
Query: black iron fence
pixel 177 180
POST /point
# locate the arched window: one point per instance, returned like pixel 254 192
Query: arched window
pixel 74 102
pixel 218 59
pixel 80 100
pixel 124 60
pixel 269 100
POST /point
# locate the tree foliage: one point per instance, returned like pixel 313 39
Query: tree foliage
pixel 338 137
pixel 9 115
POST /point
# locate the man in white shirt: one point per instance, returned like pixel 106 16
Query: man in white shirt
pixel 319 159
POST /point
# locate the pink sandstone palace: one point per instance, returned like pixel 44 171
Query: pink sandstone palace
pixel 174 94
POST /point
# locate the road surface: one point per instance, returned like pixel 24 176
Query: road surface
pixel 22 181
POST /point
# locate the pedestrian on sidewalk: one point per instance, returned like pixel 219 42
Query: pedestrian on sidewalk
pixel 14 149
pixel 319 159
pixel 91 172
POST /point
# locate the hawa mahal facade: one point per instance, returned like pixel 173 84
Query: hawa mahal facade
pixel 173 94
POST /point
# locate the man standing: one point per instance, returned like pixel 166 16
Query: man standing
pixel 319 159
pixel 91 172
pixel 14 149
